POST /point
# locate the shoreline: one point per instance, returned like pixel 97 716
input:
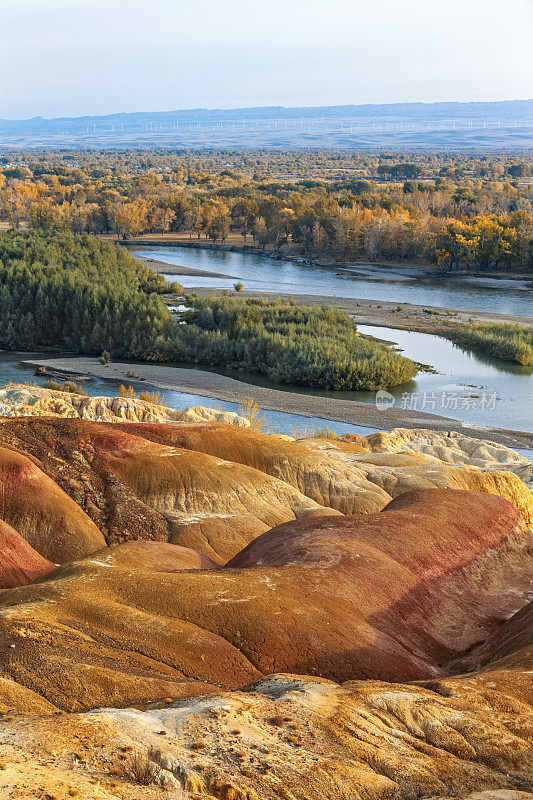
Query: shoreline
pixel 384 313
pixel 427 268
pixel 172 240
pixel 220 387
pixel 178 269
pixel 388 314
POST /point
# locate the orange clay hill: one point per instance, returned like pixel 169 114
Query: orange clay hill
pixel 392 596
pixel 215 487
pixel 261 618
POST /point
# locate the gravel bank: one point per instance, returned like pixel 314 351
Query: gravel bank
pixel 178 269
pixel 221 387
pixel 407 316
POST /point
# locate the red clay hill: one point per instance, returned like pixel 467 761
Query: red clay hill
pixel 19 562
pixel 392 596
pixel 206 486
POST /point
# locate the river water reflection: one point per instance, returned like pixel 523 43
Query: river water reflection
pixel 402 285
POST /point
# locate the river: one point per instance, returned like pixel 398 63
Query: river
pixel 399 284
pixel 469 387
pixel 509 411
pixel 12 371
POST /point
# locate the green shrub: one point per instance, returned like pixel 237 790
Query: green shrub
pixel 90 296
pixel 503 340
pixel 307 345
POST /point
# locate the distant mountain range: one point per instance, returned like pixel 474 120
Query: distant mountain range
pixel 442 125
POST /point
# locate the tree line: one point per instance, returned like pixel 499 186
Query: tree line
pixel 454 211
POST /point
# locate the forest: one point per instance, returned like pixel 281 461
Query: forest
pixel 456 211
pixel 85 295
pixel 82 294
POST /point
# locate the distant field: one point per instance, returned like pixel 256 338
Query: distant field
pixel 400 126
pixel 448 139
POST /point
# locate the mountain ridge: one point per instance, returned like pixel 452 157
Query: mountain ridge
pixel 262 112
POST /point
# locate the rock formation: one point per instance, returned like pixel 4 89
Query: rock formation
pixel 19 562
pixel 136 488
pixel 42 513
pixel 20 400
pixel 290 737
pixel 450 448
pixel 339 473
pixel 208 486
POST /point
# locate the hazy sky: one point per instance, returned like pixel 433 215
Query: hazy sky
pixel 72 57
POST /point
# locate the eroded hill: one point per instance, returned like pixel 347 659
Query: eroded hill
pixel 371 595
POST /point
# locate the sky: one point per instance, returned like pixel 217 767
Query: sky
pixel 75 57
